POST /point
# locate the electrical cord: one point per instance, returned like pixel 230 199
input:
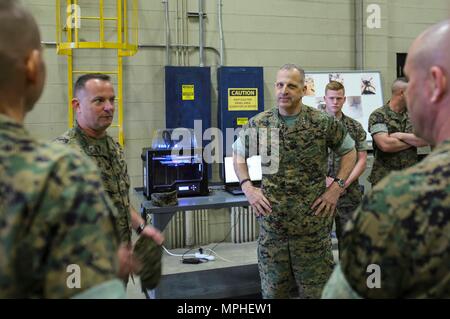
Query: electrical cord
pixel 216 254
pixel 212 249
pixel 185 255
pixel 229 233
pixel 178 255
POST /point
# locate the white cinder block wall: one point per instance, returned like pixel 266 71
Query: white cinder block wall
pixel 315 34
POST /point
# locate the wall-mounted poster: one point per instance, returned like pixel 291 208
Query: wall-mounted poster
pixel 362 88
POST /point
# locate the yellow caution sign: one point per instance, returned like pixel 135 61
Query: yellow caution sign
pixel 187 92
pixel 242 99
pixel 242 120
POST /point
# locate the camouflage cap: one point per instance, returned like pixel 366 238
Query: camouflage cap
pixel 149 254
pixel 165 199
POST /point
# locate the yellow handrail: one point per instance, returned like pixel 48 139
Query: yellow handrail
pixel 76 20
pixel 120 101
pixel 102 24
pixel 70 87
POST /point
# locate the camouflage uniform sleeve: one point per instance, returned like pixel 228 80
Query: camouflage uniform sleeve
pixel 125 177
pixel 77 227
pixel 337 137
pixel 375 238
pixel 360 139
pixel 377 123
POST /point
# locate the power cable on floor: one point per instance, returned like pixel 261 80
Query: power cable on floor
pixel 193 259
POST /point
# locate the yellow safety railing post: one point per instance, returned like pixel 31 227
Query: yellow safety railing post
pixel 125 22
pixel 77 14
pixel 119 22
pixel 102 25
pixel 120 101
pixel 70 88
pixel 69 27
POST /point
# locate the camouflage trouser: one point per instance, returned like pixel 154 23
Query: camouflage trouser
pixel 292 267
pixel 343 215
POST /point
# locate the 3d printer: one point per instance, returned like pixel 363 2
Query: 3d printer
pixel 174 162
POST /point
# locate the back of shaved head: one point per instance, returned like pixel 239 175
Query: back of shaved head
pixel 432 47
pixel 19 35
pixel 428 95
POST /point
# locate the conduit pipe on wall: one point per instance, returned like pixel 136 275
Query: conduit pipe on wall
pixel 184 37
pixel 200 31
pixel 177 33
pixel 154 46
pixel 166 10
pixel 359 34
pixel 219 18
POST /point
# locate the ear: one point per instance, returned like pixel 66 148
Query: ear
pixel 345 99
pixel 33 66
pixel 75 104
pixel 438 84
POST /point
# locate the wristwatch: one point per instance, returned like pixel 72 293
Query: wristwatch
pixel 340 182
pixel 140 228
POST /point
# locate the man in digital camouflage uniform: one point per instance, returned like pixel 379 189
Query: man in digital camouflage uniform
pixel 294 208
pixel 94 105
pixel 334 100
pixel 394 144
pixel 403 225
pixel 54 213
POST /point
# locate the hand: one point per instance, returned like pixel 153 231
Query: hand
pixel 256 199
pixel 128 263
pixel 326 203
pixel 153 233
pixel 125 258
pixel 329 181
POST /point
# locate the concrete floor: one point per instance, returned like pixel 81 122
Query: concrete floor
pixel 227 255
